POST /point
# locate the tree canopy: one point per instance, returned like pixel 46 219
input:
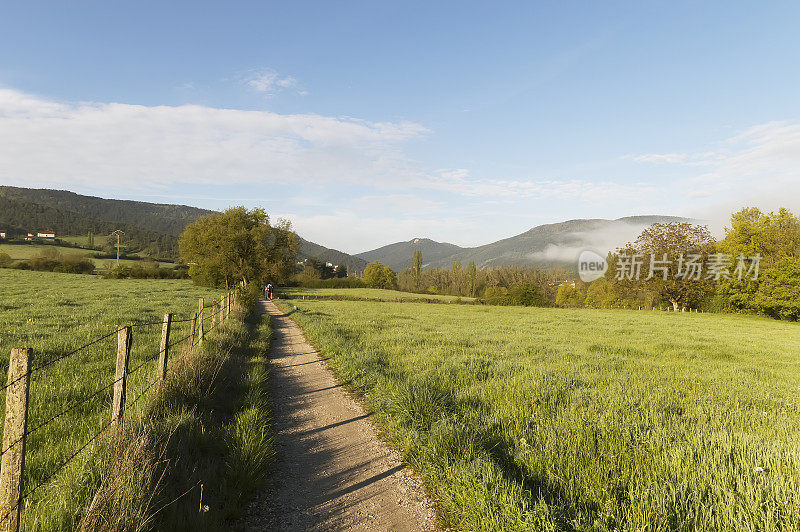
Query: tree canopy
pixel 239 245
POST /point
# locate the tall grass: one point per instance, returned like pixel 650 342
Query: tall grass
pixel 555 419
pixel 194 459
pixel 55 314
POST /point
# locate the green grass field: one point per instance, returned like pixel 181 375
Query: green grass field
pixel 550 419
pixel 375 294
pixel 56 313
pixel 27 251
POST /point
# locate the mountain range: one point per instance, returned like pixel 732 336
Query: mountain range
pixel 543 246
pixel 154 228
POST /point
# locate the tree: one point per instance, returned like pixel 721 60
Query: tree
pixel 416 268
pixel 239 245
pixel 340 271
pixel 472 274
pixel 569 296
pixel 455 278
pixel 376 275
pixel 775 238
pixel 667 249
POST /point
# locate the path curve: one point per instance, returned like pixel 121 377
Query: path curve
pixel 332 471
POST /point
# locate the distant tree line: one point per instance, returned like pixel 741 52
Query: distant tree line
pixel 773 237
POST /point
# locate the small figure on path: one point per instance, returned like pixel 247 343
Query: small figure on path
pixel 268 291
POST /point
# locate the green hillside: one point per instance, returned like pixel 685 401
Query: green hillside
pixel 20 217
pixel 150 228
pixel 398 256
pixel 544 246
pixel 156 217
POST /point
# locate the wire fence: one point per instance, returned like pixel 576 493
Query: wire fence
pixel 17 431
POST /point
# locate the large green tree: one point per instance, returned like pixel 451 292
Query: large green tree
pixel 673 255
pixel 239 245
pixel 376 275
pixel 775 238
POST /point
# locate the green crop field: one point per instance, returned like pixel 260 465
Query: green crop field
pixel 376 294
pixel 54 314
pixel 550 419
pixel 27 251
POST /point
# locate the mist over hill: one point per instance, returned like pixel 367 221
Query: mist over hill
pixel 544 246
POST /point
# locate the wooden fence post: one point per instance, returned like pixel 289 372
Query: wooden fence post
pixel 161 369
pixel 124 341
pixel 200 335
pixel 192 332
pixel 213 314
pixel 14 427
pixel 222 309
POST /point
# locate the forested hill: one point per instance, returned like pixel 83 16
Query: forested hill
pixel 151 228
pixel 158 217
pixel 20 217
pixel 544 246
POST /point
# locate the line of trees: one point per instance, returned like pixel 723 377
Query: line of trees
pixel 774 237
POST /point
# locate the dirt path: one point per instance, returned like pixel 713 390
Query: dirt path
pixel 332 472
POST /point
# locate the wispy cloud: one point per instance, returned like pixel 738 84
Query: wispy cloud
pixel 117 146
pixel 763 159
pixel 269 82
pixel 460 182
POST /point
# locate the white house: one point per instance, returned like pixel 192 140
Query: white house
pixel 2 235
pixel 46 234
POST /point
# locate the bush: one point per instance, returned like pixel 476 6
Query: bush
pixel 570 297
pixel 524 294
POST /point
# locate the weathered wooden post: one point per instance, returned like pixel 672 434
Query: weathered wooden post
pixel 200 332
pixel 14 427
pixel 192 332
pixel 213 314
pixel 124 341
pixel 222 309
pixel 163 355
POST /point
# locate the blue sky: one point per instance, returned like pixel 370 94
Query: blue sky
pixel 367 123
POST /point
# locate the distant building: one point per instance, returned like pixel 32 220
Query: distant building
pixel 46 235
pixel 2 235
pixel 29 237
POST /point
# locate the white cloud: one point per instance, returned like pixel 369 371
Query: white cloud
pixel 760 162
pixel 269 82
pixel 460 182
pixel 658 157
pixel 117 146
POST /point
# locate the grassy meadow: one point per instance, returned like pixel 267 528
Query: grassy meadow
pixel 28 251
pixel 554 419
pixel 54 314
pixel 373 294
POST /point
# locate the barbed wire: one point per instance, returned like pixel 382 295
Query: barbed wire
pixel 76 404
pixel 63 464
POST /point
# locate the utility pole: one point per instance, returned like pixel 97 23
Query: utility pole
pixel 118 232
